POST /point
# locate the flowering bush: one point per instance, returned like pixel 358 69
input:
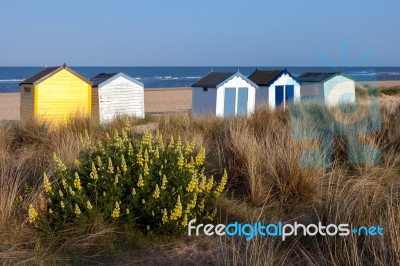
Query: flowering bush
pixel 157 187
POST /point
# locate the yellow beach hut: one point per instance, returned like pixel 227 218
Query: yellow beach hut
pixel 54 94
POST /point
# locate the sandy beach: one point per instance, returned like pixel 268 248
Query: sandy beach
pixel 159 100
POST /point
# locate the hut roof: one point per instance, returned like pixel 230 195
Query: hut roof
pixel 319 76
pixel 212 79
pixel 267 77
pixel 48 72
pixel 103 77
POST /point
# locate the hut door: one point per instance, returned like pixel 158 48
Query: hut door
pixel 279 91
pixel 242 101
pixel 229 102
pixel 289 93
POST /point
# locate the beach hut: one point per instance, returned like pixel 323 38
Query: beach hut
pixel 116 94
pixel 54 94
pixel 275 87
pixel 331 88
pixel 223 94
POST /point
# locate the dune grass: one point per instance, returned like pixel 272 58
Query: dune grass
pixel 266 183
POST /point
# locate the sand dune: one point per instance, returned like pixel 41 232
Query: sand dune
pixel 159 100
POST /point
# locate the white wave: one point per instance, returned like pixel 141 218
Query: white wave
pixel 363 74
pixel 137 78
pixel 192 77
pixel 10 80
pixel 390 73
pixel 166 77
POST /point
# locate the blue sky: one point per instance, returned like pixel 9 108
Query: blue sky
pixel 199 33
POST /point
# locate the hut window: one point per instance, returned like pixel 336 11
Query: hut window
pixel 205 89
pixel 27 89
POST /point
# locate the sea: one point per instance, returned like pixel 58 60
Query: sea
pixel 166 77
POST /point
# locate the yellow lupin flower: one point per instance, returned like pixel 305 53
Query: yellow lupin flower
pixel 87 137
pixel 157 153
pixel 93 174
pixel 140 182
pixel 164 182
pixel 156 193
pixel 133 192
pixel 77 182
pixel 191 166
pixel 89 205
pixel 60 193
pixel 221 186
pixel 46 183
pixel 177 212
pixel 110 168
pixel 146 140
pixel 165 216
pixel 146 156
pixel 201 205
pixel 188 147
pixel 181 161
pixel 116 136
pixel 203 181
pixel 58 163
pixel 62 204
pixel 99 162
pixel 116 212
pixel 143 201
pixel 32 213
pixel 64 183
pixel 209 184
pixel 171 142
pixel 178 146
pixel 127 126
pixel 116 179
pixel 124 167
pixel 146 169
pixel 50 211
pixel 193 144
pixel 77 163
pixel 130 149
pixel 77 210
pixel 127 211
pixel 108 139
pixel 192 184
pixel 139 157
pixel 71 191
pixel 192 203
pixel 160 141
pixel 200 157
pixel 124 135
pixel 101 147
pixel 185 220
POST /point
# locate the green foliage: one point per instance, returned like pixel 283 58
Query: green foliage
pixel 390 90
pixel 154 186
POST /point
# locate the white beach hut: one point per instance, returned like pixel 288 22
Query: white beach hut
pixel 223 94
pixel 275 87
pixel 116 94
pixel 331 88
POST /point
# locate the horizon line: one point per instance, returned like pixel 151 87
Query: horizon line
pixel 279 66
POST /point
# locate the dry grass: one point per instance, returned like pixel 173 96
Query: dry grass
pixel 266 183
